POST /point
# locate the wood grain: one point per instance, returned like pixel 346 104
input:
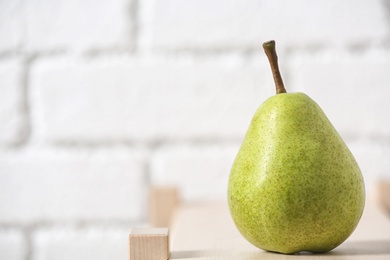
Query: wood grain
pixel 163 201
pixel 384 194
pixel 149 244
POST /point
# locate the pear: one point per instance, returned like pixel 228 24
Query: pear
pixel 294 185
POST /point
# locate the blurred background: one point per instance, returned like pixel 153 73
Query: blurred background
pixel 99 100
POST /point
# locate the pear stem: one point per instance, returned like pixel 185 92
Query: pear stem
pixel 270 51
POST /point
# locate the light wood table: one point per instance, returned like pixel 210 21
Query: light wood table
pixel 206 231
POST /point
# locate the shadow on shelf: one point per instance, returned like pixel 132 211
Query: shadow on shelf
pixel 354 248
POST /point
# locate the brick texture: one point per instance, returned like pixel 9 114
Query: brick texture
pixel 372 159
pixel 59 186
pixel 11 25
pixel 13 244
pixel 86 243
pixel 78 25
pixel 228 24
pixel 11 101
pixel 101 99
pixel 200 172
pixel 351 89
pixel 142 100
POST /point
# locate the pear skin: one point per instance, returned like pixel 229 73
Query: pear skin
pixel 294 185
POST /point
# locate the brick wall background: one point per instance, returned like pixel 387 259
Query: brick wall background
pixel 101 99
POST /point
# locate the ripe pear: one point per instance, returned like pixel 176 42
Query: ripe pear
pixel 294 185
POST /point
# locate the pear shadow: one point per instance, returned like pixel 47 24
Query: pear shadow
pixel 216 254
pixel 371 247
pixel 189 254
pixel 353 248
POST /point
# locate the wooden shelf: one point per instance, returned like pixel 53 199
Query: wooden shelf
pixel 206 231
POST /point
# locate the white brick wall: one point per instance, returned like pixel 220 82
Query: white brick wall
pixel 13 244
pixel 78 25
pixel 62 243
pixel 127 99
pixel 219 24
pixel 373 160
pixel 11 25
pixel 72 186
pixel 200 172
pixel 352 89
pixel 11 101
pixel 100 99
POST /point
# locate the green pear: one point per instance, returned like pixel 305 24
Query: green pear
pixel 294 185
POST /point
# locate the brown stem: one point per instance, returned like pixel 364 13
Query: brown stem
pixel 270 51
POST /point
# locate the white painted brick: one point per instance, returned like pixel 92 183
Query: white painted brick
pixel 225 24
pixel 79 244
pixel 138 100
pixel 12 244
pixel 11 24
pixel 200 172
pixel 354 91
pixel 11 116
pixel 71 186
pixel 78 25
pixel 373 159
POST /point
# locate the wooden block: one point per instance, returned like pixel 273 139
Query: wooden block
pixel 163 201
pixel 384 194
pixel 149 244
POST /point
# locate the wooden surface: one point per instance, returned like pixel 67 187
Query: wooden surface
pixel 163 201
pixel 206 231
pixel 384 194
pixel 149 244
